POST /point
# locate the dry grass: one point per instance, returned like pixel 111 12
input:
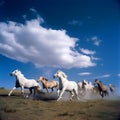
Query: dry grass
pixel 17 107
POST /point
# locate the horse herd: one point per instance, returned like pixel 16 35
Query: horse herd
pixel 62 85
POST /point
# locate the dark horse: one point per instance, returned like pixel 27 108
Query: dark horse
pixel 102 88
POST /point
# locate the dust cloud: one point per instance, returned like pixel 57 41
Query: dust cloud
pixel 84 97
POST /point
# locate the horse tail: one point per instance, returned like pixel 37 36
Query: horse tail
pixel 38 87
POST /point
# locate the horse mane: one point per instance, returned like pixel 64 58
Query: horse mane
pixel 17 84
pixel 45 79
pixel 63 74
pixel 20 73
pixel 84 82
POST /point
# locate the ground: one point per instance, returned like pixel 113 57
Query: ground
pixel 17 107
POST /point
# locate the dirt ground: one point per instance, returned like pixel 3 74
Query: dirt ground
pixel 17 107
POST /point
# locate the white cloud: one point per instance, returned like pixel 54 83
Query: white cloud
pixel 104 76
pixel 96 41
pixel 36 15
pixel 87 52
pixel 33 10
pixel 84 73
pixel 30 42
pixel 95 58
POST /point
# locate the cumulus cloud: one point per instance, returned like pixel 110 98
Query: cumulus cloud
pixel 87 52
pixel 84 73
pixel 30 42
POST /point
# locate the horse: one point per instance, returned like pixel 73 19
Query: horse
pixel 103 90
pixel 48 84
pixel 66 85
pixel 23 82
pixel 80 86
pixel 87 86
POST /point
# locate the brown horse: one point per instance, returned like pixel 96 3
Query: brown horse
pixel 48 84
pixel 102 88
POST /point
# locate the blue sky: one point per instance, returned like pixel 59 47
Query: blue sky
pixel 80 37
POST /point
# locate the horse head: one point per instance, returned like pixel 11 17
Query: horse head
pixel 40 79
pixel 15 72
pixel 60 74
pixel 97 81
pixel 85 82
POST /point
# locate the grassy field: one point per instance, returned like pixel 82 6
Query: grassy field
pixel 17 107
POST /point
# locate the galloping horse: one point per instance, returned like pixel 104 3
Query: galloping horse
pixel 65 85
pixel 102 88
pixel 80 86
pixel 48 84
pixel 87 85
pixel 23 82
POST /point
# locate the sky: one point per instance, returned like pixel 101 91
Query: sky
pixel 79 37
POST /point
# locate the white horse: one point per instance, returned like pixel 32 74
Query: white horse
pixel 80 86
pixel 88 86
pixel 65 85
pixel 85 86
pixel 23 82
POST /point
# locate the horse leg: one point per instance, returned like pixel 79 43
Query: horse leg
pixel 22 90
pixel 72 94
pixel 11 91
pixel 58 92
pixel 35 90
pixel 52 89
pixel 76 93
pixel 60 96
pixel 30 89
pixel 102 94
pixel 47 90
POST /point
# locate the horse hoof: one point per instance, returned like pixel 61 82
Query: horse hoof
pixel 58 99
